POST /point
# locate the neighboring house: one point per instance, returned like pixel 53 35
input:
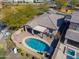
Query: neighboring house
pixel 69 38
pixel 72 34
pixel 32 1
pixel 11 1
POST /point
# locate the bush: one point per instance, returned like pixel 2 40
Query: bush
pixel 35 58
pixel 61 3
pixel 10 43
pixel 22 54
pixel 2 53
pixel 19 50
pixel 20 42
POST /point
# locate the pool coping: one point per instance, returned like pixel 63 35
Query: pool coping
pixel 23 42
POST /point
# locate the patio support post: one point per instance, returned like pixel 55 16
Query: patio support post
pixel 32 31
pixel 42 35
pixel 24 28
pixel 65 42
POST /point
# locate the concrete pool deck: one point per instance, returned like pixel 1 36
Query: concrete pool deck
pixel 18 37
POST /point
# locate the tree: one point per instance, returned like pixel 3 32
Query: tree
pixel 14 20
pixel 17 15
pixel 43 7
pixel 61 3
pixel 74 2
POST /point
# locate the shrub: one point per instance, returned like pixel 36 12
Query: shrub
pixel 19 50
pixel 22 54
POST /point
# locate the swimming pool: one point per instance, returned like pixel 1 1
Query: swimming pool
pixel 36 44
pixel 70 52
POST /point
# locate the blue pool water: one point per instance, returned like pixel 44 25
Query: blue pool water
pixel 36 44
pixel 69 57
pixel 70 52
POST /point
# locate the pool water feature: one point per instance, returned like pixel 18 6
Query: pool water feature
pixel 70 52
pixel 37 44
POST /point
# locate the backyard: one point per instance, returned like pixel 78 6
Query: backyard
pixel 16 15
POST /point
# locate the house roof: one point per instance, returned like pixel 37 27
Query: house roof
pixel 56 19
pixel 72 35
pixel 46 20
pixel 74 17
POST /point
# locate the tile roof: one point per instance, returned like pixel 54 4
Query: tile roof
pixel 47 20
pixel 72 35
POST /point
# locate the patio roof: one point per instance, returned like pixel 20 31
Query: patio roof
pixel 72 35
pixel 40 28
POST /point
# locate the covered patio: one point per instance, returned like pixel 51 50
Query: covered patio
pixel 39 30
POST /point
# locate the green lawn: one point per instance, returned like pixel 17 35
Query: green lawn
pixel 2 53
